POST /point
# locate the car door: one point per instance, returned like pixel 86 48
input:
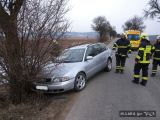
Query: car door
pixel 91 65
pixel 98 57
pixel 103 56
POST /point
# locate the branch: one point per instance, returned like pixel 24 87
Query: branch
pixel 154 9
pixel 3 14
pixel 16 7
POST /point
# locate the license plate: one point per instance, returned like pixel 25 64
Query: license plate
pixel 41 87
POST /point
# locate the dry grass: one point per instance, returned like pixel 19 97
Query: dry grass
pixel 73 42
pixel 37 106
pixel 77 41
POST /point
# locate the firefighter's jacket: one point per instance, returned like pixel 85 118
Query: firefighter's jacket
pixel 122 47
pixel 156 51
pixel 144 53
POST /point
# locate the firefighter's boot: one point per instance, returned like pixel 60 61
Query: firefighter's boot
pixel 136 81
pixel 153 75
pixel 143 83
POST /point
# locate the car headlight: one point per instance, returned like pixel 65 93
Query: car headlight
pixel 61 79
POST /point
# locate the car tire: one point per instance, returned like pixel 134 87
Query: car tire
pixel 80 82
pixel 108 67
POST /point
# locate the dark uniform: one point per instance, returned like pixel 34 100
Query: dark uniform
pixel 142 62
pixel 156 58
pixel 123 47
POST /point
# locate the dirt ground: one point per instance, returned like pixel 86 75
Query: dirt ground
pixel 42 107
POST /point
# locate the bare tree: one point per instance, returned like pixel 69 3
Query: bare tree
pixel 29 33
pixel 102 26
pixel 154 9
pixel 135 23
pixel 112 32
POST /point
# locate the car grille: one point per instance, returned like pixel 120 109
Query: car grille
pixel 56 91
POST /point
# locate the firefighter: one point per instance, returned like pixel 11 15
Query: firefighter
pixel 122 47
pixel 142 61
pixel 156 57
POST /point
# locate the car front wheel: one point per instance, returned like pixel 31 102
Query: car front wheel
pixel 108 67
pixel 80 82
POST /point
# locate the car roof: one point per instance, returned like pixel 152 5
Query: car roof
pixel 84 46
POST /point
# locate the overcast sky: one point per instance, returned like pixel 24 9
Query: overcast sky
pixel 117 12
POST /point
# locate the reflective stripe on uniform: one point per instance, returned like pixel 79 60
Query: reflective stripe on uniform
pixel 156 58
pixel 141 48
pixel 144 62
pixel 118 67
pixel 153 48
pixel 122 47
pixel 123 55
pixel 154 71
pixel 136 76
pixel 138 57
pixel 121 68
pixel 157 50
pixel 129 45
pixel 144 78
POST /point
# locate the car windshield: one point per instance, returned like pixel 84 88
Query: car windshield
pixel 72 55
pixel 133 37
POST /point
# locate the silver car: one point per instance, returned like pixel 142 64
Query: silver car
pixel 79 64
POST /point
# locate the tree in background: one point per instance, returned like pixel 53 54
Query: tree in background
pixel 112 32
pixel 135 23
pixel 29 31
pixel 154 9
pixel 102 26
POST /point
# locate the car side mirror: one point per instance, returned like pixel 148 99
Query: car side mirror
pixel 89 58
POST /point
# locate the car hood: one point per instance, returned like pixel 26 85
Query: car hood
pixel 59 70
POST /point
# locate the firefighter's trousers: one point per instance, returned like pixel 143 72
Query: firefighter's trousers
pixel 155 64
pixel 120 62
pixel 137 68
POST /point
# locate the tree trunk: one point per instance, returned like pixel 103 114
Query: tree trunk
pixel 14 60
pixel 101 37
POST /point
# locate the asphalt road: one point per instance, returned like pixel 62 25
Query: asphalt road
pixel 108 93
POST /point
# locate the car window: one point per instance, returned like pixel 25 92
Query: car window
pixel 90 51
pixel 102 47
pixel 97 49
pixel 72 55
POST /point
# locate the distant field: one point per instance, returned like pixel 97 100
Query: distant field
pixel 76 41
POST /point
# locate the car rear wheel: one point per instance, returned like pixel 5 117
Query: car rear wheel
pixel 108 67
pixel 80 82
